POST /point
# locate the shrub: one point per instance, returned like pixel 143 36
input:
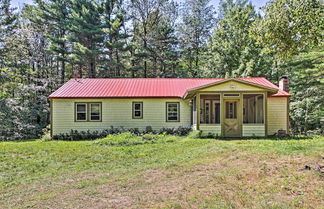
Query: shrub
pixel 129 139
pixel 180 131
pixel 75 135
pixel 123 139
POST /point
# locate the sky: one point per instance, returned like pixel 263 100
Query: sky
pixel 256 3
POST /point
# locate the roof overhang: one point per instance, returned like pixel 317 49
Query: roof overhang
pixel 192 91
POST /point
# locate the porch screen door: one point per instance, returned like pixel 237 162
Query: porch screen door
pixel 231 122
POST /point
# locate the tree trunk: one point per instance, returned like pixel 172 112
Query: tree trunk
pixel 154 67
pixel 145 47
pixel 118 64
pixel 63 72
pixel 92 73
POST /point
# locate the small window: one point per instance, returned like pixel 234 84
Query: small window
pixel 231 110
pixel 172 112
pixel 137 110
pixel 95 111
pixel 81 112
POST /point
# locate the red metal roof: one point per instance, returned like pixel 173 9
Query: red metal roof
pixel 141 87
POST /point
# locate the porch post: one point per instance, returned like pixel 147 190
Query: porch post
pixel 198 110
pixel 265 102
pixel 222 114
pixel 240 118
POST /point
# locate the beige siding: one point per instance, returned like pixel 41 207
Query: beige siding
pixel 253 130
pixel 118 113
pixel 232 86
pixel 211 128
pixel 277 114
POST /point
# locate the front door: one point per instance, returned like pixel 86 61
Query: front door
pixel 231 121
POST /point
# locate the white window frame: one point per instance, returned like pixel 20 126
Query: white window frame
pixel 141 110
pixel 76 111
pixel 167 111
pixel 95 103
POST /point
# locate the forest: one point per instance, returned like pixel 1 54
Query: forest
pixel 45 44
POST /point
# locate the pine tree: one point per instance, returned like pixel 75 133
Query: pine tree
pixel 148 16
pixel 8 24
pixel 87 34
pixel 196 24
pixel 115 40
pixel 54 14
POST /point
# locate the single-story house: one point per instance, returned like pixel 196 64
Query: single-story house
pixel 225 107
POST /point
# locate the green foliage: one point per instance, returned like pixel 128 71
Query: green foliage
pixel 290 26
pixel 307 86
pixel 232 52
pixel 8 24
pixel 129 139
pixel 148 133
pixel 154 42
pixel 196 24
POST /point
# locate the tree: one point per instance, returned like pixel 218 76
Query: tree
pixel 54 14
pixel 115 40
pixel 8 24
pixel 86 34
pixel 197 20
pixel 290 26
pixel 151 22
pixel 232 52
pixel 306 84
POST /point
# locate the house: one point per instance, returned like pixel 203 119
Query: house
pixel 226 107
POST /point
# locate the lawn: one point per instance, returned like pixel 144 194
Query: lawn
pixel 178 172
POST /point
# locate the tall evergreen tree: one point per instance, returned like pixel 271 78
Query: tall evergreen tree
pixel 8 23
pixel 115 40
pixel 148 18
pixel 54 14
pixel 87 34
pixel 197 20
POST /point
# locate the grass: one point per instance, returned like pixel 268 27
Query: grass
pixel 172 172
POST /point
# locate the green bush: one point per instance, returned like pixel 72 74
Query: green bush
pixel 129 139
pixel 75 135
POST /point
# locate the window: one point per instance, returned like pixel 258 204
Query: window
pixel 253 108
pixel 172 111
pixel 231 110
pixel 137 110
pixel 82 110
pixel 231 95
pixel 95 109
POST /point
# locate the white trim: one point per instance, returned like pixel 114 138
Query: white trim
pixel 76 111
